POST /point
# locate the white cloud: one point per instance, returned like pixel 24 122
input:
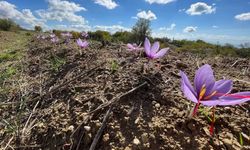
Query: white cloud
pixel 200 8
pixel 111 29
pixel 181 10
pixel 159 1
pixel 214 26
pixel 109 4
pixel 172 26
pixel 146 15
pixel 61 10
pixel 72 27
pixel 243 16
pixel 25 17
pixel 189 29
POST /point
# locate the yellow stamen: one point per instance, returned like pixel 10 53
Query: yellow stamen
pixel 202 92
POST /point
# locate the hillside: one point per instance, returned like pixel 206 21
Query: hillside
pixel 56 96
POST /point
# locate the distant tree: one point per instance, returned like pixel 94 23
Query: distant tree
pixel 9 25
pixel 5 24
pixel 38 29
pixel 141 30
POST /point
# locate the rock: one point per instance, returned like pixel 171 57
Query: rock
pixel 137 120
pixel 157 105
pixel 87 128
pixel 136 141
pixel 153 102
pixel 231 144
pixel 144 138
pixel 105 137
pixel 127 148
pixel 71 128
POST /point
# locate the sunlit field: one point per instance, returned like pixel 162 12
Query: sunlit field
pixel 123 75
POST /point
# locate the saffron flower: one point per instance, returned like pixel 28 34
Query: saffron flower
pixel 82 44
pixel 52 35
pixel 133 47
pixel 67 34
pixel 84 34
pixel 154 52
pixel 54 39
pixel 209 92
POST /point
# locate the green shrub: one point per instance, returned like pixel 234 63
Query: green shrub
pixel 125 37
pixel 75 35
pixel 102 36
pixel 56 62
pixel 5 24
pixel 9 25
pixel 38 28
pixel 7 73
pixel 243 52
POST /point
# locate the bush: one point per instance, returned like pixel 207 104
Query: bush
pixel 5 24
pixel 243 52
pixel 9 25
pixel 125 37
pixel 102 36
pixel 38 29
pixel 141 30
pixel 75 35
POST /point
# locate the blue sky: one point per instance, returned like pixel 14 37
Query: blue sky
pixel 223 21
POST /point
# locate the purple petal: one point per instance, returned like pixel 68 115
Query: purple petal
pixel 187 88
pixel 130 46
pixel 79 42
pixel 236 96
pixel 154 48
pixel 85 44
pixel 233 102
pixel 161 53
pixel 234 99
pixel 204 76
pixel 211 102
pixel 222 87
pixel 147 46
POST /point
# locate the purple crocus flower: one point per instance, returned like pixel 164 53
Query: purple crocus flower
pixel 84 34
pixel 209 92
pixel 55 39
pixel 82 44
pixel 67 34
pixel 154 52
pixel 134 47
pixel 52 35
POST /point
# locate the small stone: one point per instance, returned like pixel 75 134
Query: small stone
pixel 126 118
pixel 136 141
pixel 153 102
pixel 144 138
pixel 105 137
pixel 228 143
pixel 157 105
pixel 71 128
pixel 87 128
pixel 127 148
pixel 137 121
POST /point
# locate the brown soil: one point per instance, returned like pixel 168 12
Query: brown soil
pixel 152 117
